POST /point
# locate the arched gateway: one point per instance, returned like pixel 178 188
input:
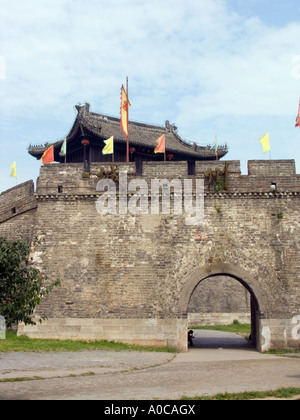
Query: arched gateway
pixel 241 276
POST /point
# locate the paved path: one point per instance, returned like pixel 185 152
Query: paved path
pixel 219 362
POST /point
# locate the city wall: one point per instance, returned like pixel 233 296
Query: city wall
pixel 18 207
pixel 130 277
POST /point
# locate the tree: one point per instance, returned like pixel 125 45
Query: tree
pixel 21 283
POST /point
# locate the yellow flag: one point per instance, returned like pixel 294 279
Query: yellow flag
pixel 125 104
pixel 109 148
pixel 265 142
pixel 14 170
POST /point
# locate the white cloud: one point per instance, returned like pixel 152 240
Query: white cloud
pixel 200 64
pixel 2 67
pixel 191 60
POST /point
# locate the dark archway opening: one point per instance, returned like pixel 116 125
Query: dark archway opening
pixel 222 299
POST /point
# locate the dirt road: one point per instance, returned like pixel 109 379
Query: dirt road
pixel 219 362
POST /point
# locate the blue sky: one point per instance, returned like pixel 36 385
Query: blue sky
pixel 225 67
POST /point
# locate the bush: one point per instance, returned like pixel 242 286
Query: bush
pixel 21 283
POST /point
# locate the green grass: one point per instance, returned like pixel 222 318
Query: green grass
pixel 235 327
pixel 23 343
pixel 284 352
pixel 279 393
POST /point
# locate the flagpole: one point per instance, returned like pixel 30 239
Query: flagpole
pixel 127 143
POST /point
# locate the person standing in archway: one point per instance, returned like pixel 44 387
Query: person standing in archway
pixel 190 337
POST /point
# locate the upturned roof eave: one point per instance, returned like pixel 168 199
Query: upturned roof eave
pixel 92 123
pixel 207 154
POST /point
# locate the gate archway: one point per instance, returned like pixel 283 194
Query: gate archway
pixel 235 272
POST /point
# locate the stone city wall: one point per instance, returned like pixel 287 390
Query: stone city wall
pixel 17 211
pixel 142 269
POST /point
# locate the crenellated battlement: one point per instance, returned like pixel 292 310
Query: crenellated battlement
pixel 278 177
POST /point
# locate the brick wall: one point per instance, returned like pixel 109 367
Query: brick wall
pixel 17 211
pixel 145 267
pixel 220 295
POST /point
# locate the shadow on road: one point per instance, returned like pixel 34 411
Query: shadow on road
pixel 206 339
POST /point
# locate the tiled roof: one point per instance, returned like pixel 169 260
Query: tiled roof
pixel 140 134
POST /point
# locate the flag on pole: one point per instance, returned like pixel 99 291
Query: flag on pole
pixel 298 117
pixel 109 148
pixel 124 111
pixel 63 150
pixel 14 170
pixel 48 156
pixel 265 142
pixel 160 148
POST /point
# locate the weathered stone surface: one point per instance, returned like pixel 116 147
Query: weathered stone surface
pixel 223 295
pixel 127 268
pixel 17 211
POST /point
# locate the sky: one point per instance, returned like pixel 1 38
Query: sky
pixel 225 67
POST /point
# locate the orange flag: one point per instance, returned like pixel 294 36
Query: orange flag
pixel 124 111
pixel 298 117
pixel 48 156
pixel 160 148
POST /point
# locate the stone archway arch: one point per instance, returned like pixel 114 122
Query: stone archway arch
pixel 233 271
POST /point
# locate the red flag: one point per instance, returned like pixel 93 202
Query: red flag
pixel 160 148
pixel 48 156
pixel 298 117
